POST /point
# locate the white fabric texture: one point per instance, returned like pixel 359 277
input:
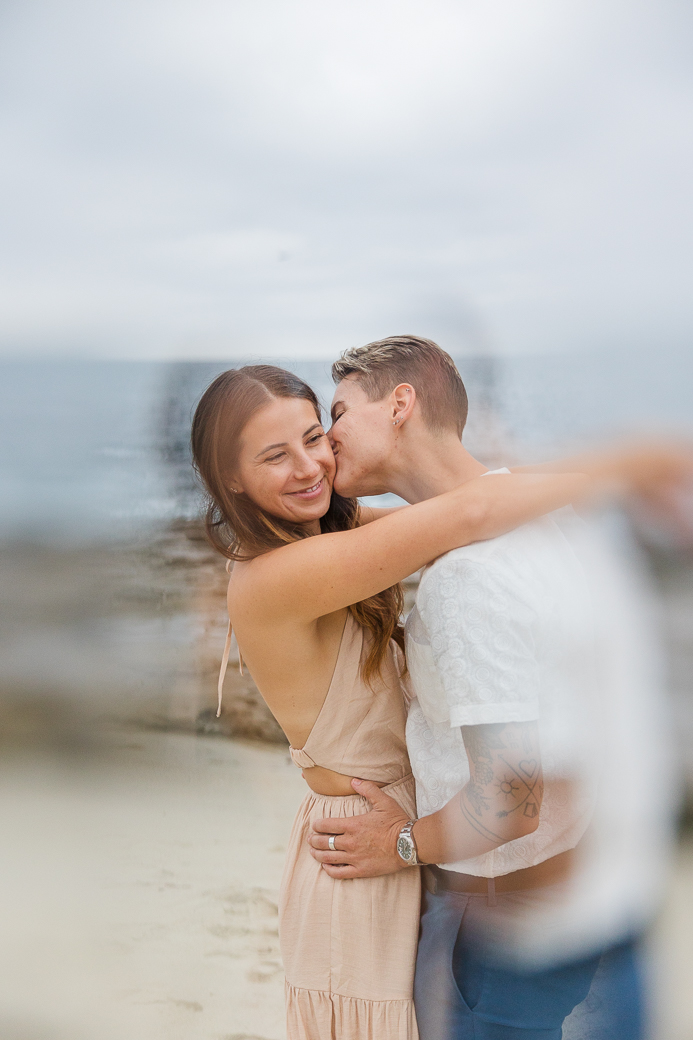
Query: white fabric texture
pixel 502 632
pixel 478 615
pixel 541 625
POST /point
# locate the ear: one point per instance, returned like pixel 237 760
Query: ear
pixel 402 401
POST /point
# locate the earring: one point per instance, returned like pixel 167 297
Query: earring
pixel 396 422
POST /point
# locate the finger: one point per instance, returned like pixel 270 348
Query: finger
pixel 330 857
pixel 322 841
pixel 341 873
pixel 330 826
pixel 370 791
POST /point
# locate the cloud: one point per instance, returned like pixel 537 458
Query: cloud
pixel 209 178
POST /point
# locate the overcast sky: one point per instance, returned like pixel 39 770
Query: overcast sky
pixel 203 178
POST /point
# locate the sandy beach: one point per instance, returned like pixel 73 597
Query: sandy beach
pixel 139 898
pixel 142 900
pixel 200 852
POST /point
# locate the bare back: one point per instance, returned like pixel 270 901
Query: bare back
pixel 301 669
pixel 292 663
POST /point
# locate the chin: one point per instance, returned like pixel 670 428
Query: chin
pixel 345 489
pixel 315 511
pixel 350 486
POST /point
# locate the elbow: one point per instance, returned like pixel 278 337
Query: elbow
pixel 528 823
pixel 528 826
pixel 520 828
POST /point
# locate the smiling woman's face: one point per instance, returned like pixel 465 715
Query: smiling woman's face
pixel 285 462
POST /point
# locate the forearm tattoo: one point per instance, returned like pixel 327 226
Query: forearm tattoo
pixel 506 777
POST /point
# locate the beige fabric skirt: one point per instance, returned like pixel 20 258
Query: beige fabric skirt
pixel 349 947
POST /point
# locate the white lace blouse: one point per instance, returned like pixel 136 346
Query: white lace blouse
pixel 546 623
pixel 502 632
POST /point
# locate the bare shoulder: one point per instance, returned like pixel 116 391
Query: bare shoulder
pixel 250 586
pixel 468 574
pixel 253 614
pixel 263 637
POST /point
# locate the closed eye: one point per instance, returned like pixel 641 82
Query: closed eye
pixel 313 440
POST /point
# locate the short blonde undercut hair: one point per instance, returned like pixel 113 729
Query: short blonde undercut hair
pixel 384 364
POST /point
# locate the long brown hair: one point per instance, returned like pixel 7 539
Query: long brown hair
pixel 241 530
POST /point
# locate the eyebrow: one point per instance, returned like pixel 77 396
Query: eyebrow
pixel 283 444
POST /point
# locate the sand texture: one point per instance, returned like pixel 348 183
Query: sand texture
pixel 138 894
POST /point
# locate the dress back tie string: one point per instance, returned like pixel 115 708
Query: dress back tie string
pixel 225 656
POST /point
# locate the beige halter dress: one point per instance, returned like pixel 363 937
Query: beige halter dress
pixel 349 947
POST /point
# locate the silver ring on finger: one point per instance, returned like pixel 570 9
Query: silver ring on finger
pixel 330 843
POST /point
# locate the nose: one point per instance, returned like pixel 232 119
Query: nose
pixel 330 437
pixel 306 467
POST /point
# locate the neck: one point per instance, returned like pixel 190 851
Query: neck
pixel 426 466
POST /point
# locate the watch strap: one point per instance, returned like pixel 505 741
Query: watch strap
pixel 407 834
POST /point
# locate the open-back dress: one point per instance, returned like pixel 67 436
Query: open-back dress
pixel 349 946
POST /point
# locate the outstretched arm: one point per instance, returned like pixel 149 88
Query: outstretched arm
pixel 316 576
pixel 648 468
pixel 642 467
pixel 500 802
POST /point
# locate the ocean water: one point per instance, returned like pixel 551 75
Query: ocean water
pixel 93 450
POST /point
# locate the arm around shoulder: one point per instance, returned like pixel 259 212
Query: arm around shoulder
pixel 318 575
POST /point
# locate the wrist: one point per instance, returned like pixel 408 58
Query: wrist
pixel 406 845
pixel 429 835
pixel 419 837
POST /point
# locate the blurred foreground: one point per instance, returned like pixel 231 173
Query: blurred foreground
pixel 142 855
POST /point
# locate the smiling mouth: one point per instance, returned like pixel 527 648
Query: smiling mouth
pixel 310 492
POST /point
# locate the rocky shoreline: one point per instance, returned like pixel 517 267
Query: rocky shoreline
pixel 132 634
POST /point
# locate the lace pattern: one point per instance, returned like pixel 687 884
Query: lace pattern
pixel 501 632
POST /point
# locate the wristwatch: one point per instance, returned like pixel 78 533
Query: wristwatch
pixel 406 846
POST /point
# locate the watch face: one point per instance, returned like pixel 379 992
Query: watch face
pixel 405 848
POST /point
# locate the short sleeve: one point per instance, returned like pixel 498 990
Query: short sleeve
pixel 480 624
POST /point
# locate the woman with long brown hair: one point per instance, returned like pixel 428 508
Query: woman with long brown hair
pixel 318 623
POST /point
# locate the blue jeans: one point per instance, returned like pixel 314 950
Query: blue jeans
pixel 462 993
